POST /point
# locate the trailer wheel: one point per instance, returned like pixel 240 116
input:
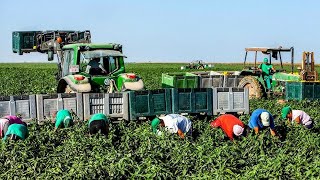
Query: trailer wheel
pixel 255 89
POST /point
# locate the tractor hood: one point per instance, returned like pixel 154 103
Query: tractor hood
pixel 280 76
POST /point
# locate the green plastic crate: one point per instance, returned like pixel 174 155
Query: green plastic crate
pixel 302 90
pixel 192 100
pixel 180 80
pixel 24 41
pixel 149 103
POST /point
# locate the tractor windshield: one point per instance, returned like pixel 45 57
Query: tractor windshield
pixel 99 62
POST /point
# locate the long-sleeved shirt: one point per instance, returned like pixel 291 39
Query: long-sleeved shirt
pixel 304 117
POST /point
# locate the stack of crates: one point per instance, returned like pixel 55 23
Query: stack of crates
pixel 149 103
pixel 192 101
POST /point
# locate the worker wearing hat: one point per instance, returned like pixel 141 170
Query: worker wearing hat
pixel 265 68
pixel 230 125
pixel 297 116
pixel 16 132
pixel 6 121
pixel 174 123
pixel 260 119
pixel 63 119
pixel 98 122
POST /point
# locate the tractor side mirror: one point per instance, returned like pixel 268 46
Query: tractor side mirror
pixel 50 55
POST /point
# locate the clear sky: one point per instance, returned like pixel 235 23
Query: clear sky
pixel 170 30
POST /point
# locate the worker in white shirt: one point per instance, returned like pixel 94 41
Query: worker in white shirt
pixel 297 116
pixel 173 123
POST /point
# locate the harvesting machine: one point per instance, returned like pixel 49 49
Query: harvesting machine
pixel 82 65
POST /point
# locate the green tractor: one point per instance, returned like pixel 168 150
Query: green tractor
pixel 94 68
pixel 83 66
pixel 197 64
pixel 256 79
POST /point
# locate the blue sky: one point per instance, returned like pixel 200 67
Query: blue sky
pixel 170 31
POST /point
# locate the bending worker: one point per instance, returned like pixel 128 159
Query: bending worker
pixel 297 116
pixel 6 121
pixel 16 132
pixel 99 122
pixel 265 68
pixel 260 119
pixel 174 123
pixel 63 119
pixel 230 125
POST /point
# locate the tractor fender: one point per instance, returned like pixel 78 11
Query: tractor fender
pixel 129 81
pixel 134 86
pixel 83 86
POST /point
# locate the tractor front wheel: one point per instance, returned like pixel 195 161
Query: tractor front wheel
pixel 255 89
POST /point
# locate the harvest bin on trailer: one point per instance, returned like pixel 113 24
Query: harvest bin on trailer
pixel 192 100
pixel 24 41
pixel 114 105
pixel 302 90
pixel 149 103
pixel 179 80
pixel 47 104
pixel 24 105
pixel 218 79
pixel 230 100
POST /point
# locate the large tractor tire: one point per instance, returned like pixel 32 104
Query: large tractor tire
pixel 255 88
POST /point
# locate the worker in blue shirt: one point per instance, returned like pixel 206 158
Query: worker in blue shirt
pixel 260 119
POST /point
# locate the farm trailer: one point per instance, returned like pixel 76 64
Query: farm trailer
pixel 131 105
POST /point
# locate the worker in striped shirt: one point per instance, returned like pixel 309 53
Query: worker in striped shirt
pixel 231 125
pixel 297 116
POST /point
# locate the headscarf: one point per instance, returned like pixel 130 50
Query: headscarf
pixel 237 130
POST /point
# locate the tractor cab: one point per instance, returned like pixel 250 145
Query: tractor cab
pixel 95 68
pixel 272 54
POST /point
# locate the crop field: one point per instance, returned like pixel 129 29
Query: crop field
pixel 132 151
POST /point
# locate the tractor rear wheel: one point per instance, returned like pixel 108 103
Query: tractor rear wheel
pixel 255 89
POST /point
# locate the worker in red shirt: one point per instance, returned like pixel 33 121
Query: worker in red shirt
pixel 230 125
